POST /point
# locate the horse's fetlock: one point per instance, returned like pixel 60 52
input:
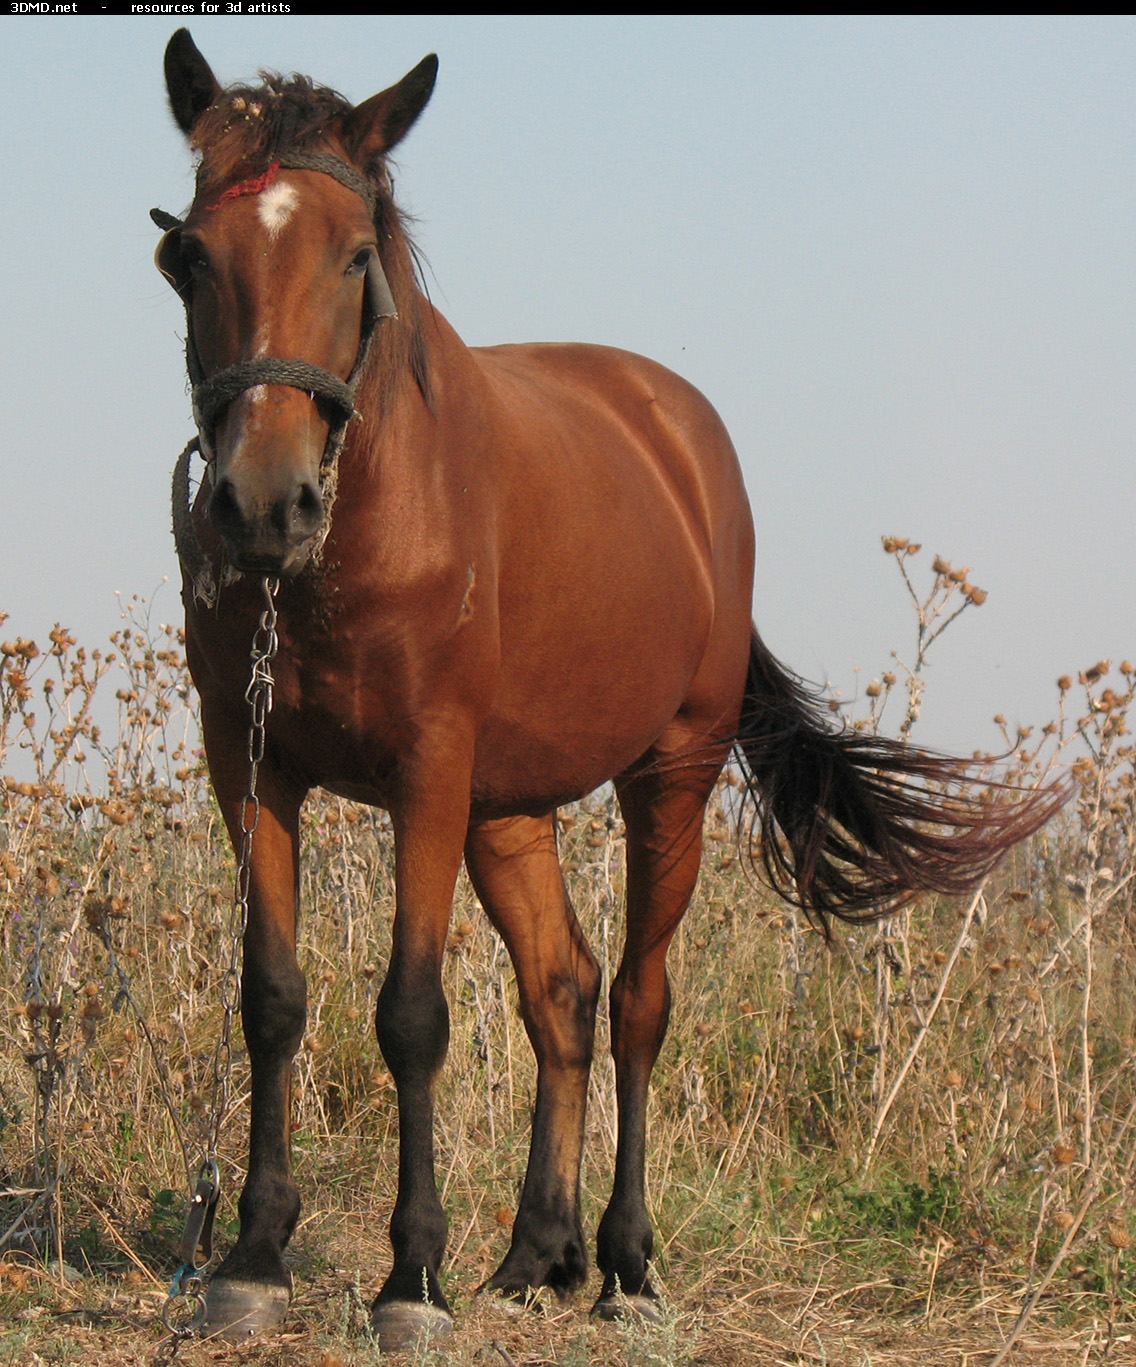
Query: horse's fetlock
pixel 272 1205
pixel 625 1242
pixel 418 1236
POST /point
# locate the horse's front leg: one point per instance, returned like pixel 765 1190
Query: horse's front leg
pixel 251 1289
pixel 429 815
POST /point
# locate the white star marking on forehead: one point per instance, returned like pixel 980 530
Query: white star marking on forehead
pixel 275 206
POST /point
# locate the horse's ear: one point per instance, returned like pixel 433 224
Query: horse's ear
pixel 191 85
pixel 380 123
pixel 168 259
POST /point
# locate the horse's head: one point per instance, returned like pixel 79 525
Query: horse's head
pixel 280 263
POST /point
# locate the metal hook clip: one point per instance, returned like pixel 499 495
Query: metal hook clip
pixel 196 1247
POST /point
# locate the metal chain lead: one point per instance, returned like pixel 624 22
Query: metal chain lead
pixel 197 1239
pixel 258 695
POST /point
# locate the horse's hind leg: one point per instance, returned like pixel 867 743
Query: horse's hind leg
pixel 515 869
pixel 663 806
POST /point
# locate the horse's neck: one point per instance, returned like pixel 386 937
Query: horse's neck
pixel 394 406
pixel 412 441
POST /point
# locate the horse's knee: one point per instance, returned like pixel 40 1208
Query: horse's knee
pixel 412 1022
pixel 274 1006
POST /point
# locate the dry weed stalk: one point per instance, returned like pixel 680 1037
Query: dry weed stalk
pixel 948 597
pixel 1100 849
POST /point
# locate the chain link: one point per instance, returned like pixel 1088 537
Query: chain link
pixel 182 1315
pixel 183 1321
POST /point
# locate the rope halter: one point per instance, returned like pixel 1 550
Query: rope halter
pixel 212 394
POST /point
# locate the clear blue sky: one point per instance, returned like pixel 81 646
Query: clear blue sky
pixel 897 254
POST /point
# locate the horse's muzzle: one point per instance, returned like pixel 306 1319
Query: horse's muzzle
pixel 268 531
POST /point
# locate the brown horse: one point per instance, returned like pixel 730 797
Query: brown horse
pixel 535 577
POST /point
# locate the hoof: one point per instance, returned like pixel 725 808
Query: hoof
pixel 403 1326
pixel 239 1310
pixel 620 1307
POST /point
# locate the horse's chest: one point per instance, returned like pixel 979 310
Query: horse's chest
pixel 335 719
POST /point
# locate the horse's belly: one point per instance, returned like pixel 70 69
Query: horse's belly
pixel 571 723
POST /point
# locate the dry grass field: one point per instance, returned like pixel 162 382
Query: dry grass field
pixel 903 1147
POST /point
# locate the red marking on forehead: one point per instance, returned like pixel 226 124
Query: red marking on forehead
pixel 248 187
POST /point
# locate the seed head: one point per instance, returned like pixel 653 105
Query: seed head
pixel 1117 1235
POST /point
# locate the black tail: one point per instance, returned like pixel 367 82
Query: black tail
pixel 855 825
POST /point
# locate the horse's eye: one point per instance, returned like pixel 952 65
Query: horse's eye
pixel 360 261
pixel 194 257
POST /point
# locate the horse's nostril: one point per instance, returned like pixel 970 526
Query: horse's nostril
pixel 299 513
pixel 308 501
pixel 308 508
pixel 224 509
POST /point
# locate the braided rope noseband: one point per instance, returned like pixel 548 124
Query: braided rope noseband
pixel 212 395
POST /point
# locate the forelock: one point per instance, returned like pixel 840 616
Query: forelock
pixel 250 126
